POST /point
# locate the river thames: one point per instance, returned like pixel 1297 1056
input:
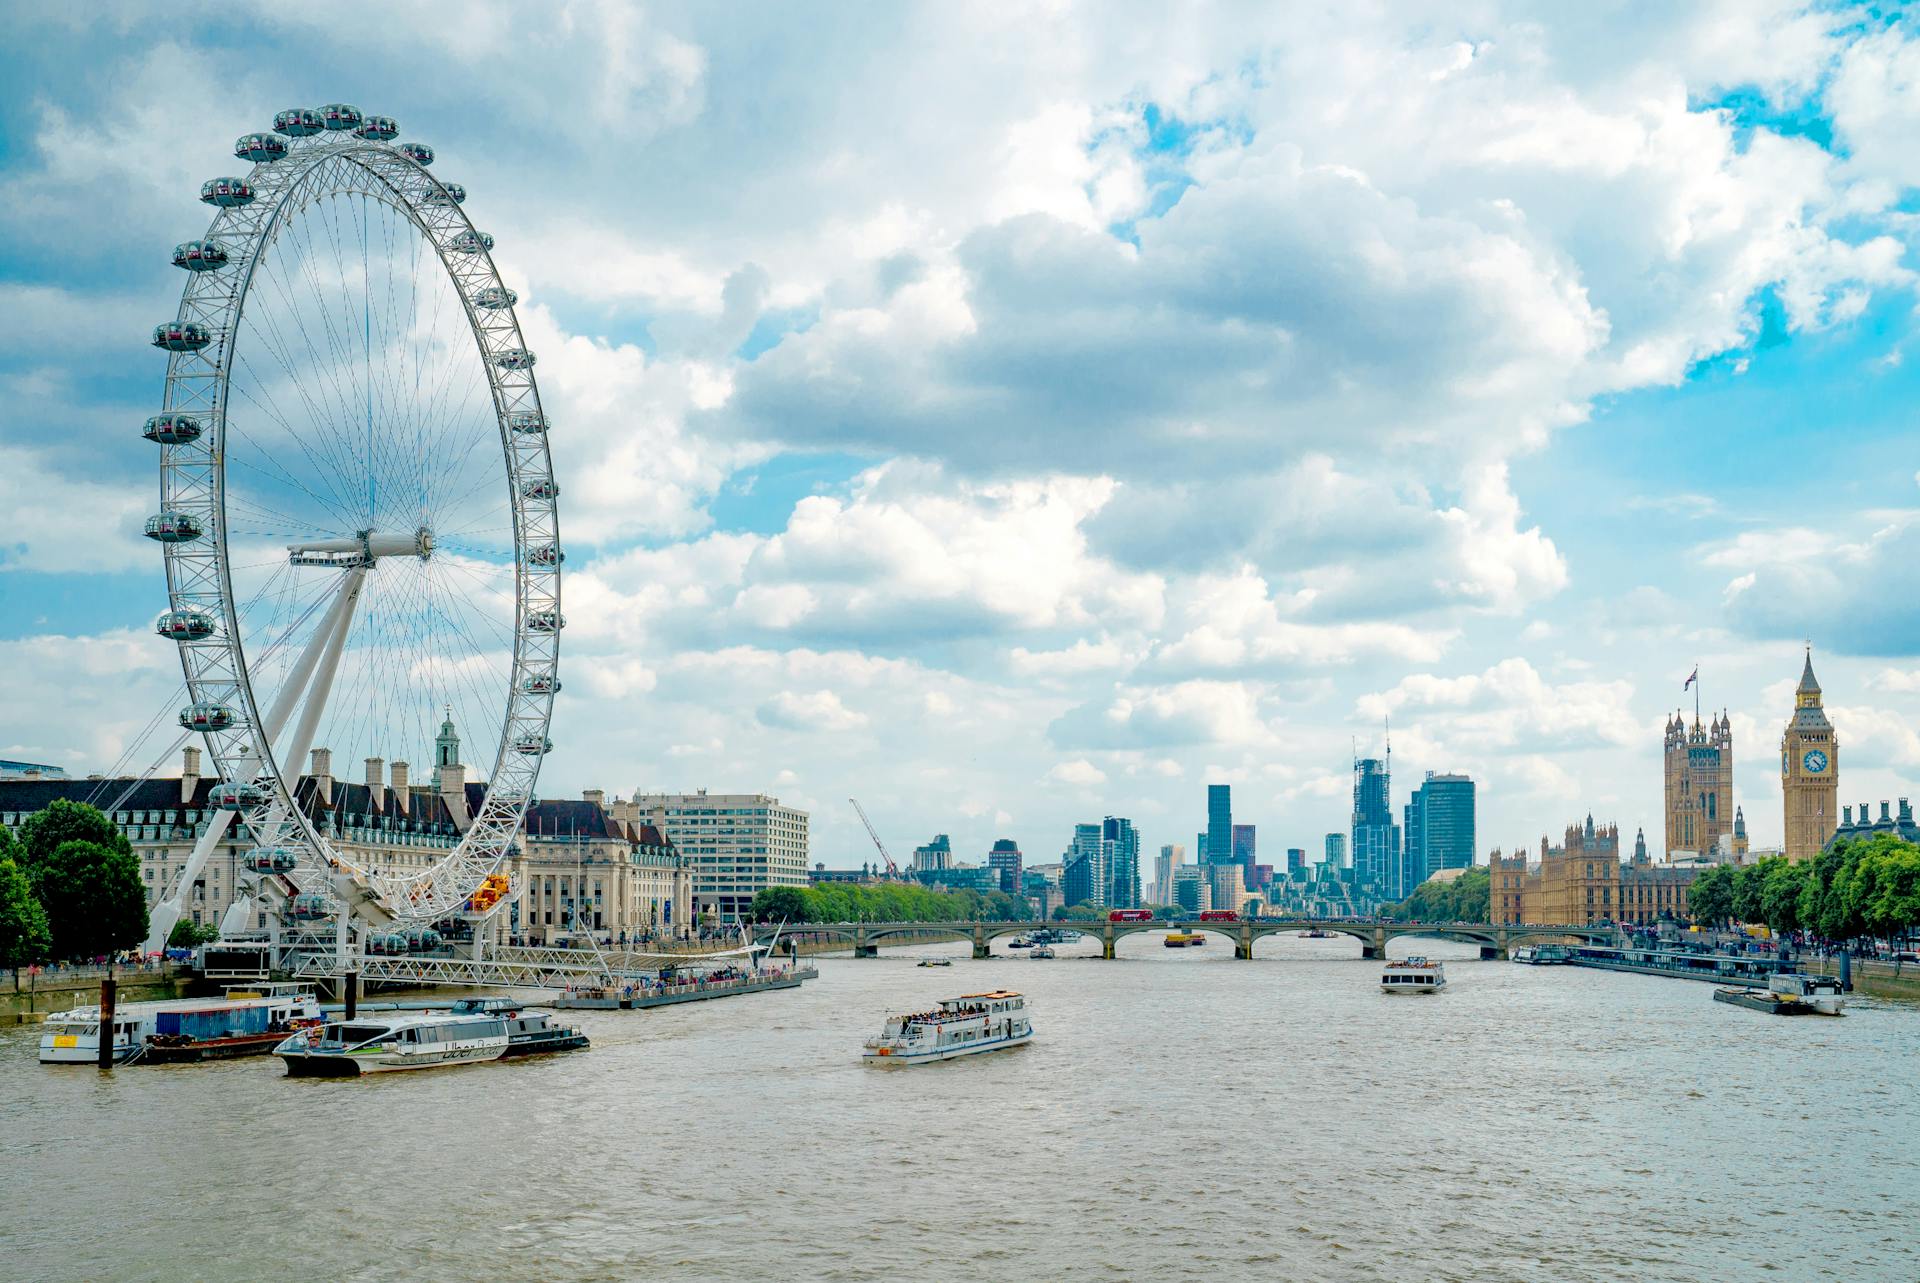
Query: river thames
pixel 1179 1114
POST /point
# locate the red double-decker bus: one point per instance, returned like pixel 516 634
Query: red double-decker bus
pixel 1130 915
pixel 1219 915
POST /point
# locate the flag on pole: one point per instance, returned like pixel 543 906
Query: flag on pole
pixel 1692 677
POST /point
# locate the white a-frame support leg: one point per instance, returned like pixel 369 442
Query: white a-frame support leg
pixel 326 643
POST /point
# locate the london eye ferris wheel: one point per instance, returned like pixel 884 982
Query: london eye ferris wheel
pixel 358 506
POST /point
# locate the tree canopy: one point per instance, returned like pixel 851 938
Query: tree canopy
pixel 884 902
pixel 94 899
pixel 24 936
pixel 46 831
pixel 1467 898
pixel 1861 887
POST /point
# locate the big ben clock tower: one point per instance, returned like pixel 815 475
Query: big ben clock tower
pixel 1809 771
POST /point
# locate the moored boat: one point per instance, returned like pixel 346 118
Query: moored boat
pixel 252 1022
pixel 964 1026
pixel 1413 975
pixel 529 1033
pixel 1772 1004
pixel 1820 993
pixel 1184 939
pixel 396 1041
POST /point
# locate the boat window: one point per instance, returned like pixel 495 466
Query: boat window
pixel 351 1034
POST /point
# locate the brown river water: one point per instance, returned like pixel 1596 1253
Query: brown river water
pixel 1179 1114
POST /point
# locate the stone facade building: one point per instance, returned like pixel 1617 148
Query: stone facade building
pixel 1699 762
pixel 1584 881
pixel 738 844
pixel 598 867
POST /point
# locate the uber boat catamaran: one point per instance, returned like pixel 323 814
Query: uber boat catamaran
pixel 395 1041
pixel 963 1026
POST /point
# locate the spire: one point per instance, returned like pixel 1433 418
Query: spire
pixel 1809 685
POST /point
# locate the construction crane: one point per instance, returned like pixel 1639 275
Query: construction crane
pixel 893 870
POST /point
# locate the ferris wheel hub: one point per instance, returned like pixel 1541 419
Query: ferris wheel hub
pixel 361 550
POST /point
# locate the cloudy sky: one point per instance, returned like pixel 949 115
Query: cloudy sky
pixel 1010 415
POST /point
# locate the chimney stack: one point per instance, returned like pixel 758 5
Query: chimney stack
pixel 376 782
pixel 596 796
pixel 400 798
pixel 322 773
pixel 189 774
pixel 453 791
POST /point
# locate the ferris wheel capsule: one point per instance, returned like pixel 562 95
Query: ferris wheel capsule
pixel 340 115
pixel 495 297
pixel 421 154
pixel 448 194
pixel 237 797
pixel 533 746
pixel 307 908
pixel 174 527
pixel 199 256
pixel 181 336
pixel 544 488
pixel 541 684
pixel 514 358
pixel 472 242
pixel 378 128
pixel 260 148
pixel 171 429
pixel 298 122
pixel 546 621
pixel 184 625
pixel 206 716
pixel 527 423
pixel 227 193
pixel 546 555
pixel 272 859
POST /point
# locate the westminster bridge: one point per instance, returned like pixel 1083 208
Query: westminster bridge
pixel 865 938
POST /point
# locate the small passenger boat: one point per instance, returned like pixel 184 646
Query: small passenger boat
pixel 1041 952
pixel 1184 939
pixel 400 1040
pixel 1414 975
pixel 1316 934
pixel 963 1026
pixel 936 962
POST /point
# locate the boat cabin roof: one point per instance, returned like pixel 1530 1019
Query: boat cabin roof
pixel 989 996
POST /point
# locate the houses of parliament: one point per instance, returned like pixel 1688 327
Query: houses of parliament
pixel 1702 817
pixel 1586 880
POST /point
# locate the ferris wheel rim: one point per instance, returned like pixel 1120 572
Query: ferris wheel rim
pixel 194 480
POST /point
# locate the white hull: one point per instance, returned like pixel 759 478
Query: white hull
pixel 84 1049
pixel 1406 989
pixel 902 1059
pixel 346 1065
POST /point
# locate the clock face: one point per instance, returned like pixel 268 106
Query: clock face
pixel 1815 761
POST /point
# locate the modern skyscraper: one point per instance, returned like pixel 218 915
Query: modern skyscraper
pixel 1243 850
pixel 1809 771
pixel 1229 885
pixel 1296 862
pixel 934 856
pixel 1439 827
pixel 1120 846
pixel 1219 824
pixel 1376 838
pixel 1172 856
pixel 1336 857
pixel 1083 877
pixel 1699 783
pixel 1004 860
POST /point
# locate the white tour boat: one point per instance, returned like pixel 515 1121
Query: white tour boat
pixel 1820 994
pixel 964 1026
pixel 1414 975
pixel 398 1040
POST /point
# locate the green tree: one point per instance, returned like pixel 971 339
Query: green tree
pixel 1780 891
pixel 45 832
pixel 1710 897
pixel 1466 898
pixel 781 904
pixel 187 933
pixel 24 937
pixel 94 900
